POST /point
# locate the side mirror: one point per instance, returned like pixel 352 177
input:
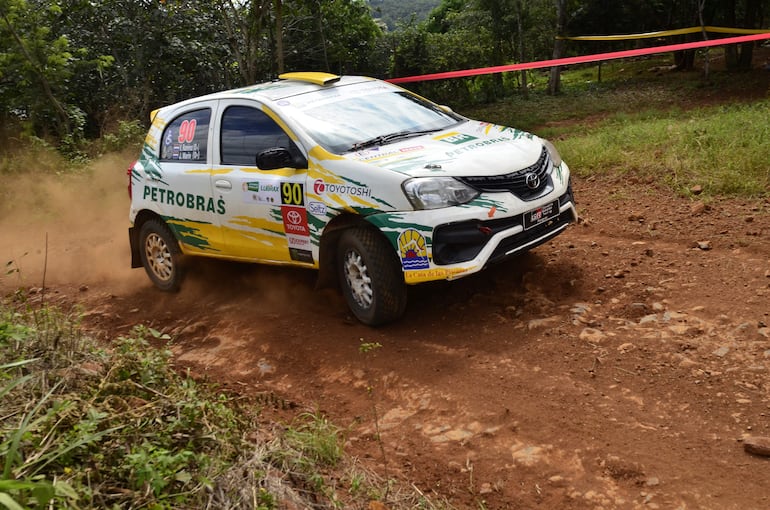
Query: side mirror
pixel 274 158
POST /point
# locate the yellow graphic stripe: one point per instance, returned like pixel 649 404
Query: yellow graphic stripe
pixel 272 247
pixel 280 122
pixel 666 33
pixel 282 172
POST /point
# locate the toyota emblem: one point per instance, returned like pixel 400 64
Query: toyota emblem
pixel 294 217
pixel 532 180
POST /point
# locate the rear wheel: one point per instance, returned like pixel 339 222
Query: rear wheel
pixel 161 256
pixel 370 277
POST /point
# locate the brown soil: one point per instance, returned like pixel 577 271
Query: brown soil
pixel 619 366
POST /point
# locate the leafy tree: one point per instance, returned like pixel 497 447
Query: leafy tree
pixel 36 67
pixel 330 35
pixel 394 13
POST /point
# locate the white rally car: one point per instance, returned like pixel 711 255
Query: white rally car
pixel 370 184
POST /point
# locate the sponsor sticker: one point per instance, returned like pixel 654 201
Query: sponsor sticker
pixel 411 247
pixel 455 138
pixel 295 220
pixel 301 255
pixel 320 187
pixel 316 208
pixel 436 273
pixel 262 192
pixel 541 214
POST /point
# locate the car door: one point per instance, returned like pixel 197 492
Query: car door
pixel 266 216
pixel 180 187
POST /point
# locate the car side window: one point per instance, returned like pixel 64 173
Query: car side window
pixel 246 132
pixel 186 137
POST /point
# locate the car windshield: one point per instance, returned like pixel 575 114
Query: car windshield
pixel 344 119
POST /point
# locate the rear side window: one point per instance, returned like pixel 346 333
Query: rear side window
pixel 246 132
pixel 186 137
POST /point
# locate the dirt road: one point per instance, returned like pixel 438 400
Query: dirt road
pixel 619 366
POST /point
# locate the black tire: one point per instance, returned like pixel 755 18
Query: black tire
pixel 370 276
pixel 161 256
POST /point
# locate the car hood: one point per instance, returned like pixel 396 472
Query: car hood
pixel 471 148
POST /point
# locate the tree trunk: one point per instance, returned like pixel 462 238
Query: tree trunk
pixel 731 50
pixel 751 18
pixel 706 61
pixel 554 81
pixel 520 14
pixel 279 35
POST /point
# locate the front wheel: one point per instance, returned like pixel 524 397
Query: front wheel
pixel 161 256
pixel 370 277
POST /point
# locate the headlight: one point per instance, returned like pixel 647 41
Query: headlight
pixel 437 192
pixel 555 156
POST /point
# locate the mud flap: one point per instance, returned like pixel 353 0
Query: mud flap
pixel 136 259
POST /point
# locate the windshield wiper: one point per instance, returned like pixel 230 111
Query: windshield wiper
pixel 392 137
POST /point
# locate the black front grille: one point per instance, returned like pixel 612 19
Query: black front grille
pixel 527 184
pixel 462 241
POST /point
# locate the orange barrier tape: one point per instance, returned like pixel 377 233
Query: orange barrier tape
pixel 665 33
pixel 582 59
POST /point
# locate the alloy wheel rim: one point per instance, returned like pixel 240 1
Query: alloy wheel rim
pixel 159 257
pixel 358 279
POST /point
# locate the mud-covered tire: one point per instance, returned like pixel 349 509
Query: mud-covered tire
pixel 160 255
pixel 370 276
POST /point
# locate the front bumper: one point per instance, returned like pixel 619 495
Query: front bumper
pixel 463 240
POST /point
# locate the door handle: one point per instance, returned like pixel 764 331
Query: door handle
pixel 223 184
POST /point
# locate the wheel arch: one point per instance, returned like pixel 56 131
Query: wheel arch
pixel 133 234
pixel 327 257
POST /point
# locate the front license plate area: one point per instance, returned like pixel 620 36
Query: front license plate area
pixel 540 215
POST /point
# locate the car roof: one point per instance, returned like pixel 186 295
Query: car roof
pixel 287 85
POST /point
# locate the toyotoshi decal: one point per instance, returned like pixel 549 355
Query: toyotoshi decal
pixel 320 187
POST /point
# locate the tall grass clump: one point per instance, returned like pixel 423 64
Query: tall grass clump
pixel 96 428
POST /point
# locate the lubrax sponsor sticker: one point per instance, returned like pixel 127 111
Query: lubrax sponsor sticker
pixel 320 187
pixel 262 192
pixel 455 138
pixel 188 200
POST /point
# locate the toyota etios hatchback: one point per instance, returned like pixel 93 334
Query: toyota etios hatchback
pixel 353 176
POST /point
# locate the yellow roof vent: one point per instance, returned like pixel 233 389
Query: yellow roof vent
pixel 317 78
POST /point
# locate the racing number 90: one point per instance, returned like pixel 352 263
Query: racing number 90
pixel 292 193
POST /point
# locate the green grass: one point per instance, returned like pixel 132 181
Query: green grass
pixel 676 128
pixel 724 149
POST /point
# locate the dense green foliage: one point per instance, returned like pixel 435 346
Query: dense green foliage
pixel 397 12
pixel 71 69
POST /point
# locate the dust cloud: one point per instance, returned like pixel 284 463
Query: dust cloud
pixel 70 228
